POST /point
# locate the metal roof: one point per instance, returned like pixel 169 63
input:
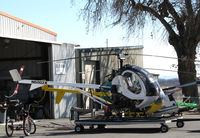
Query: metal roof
pixel 27 23
pixel 111 48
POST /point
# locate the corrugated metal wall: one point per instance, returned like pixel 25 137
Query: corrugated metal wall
pixel 12 28
pixel 108 61
pixel 69 100
pixel 104 63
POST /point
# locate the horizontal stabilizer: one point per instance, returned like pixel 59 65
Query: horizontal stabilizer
pixel 59 97
pixel 15 75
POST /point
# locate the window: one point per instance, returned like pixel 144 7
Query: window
pixel 131 82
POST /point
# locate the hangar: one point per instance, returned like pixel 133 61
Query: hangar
pixel 24 43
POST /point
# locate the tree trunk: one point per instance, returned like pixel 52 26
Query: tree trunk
pixel 186 52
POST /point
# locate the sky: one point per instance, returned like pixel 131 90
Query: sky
pixel 62 17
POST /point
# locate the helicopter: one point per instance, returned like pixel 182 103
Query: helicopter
pixel 133 92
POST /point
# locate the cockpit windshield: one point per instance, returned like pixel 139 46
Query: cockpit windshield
pixel 137 77
pixel 152 86
pixel 131 82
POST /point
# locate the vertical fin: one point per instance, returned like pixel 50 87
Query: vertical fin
pixel 15 75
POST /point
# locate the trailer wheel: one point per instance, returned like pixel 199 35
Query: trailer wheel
pixel 79 128
pixel 101 126
pixel 91 126
pixel 164 128
pixel 180 124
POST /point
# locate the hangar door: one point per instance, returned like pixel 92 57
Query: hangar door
pixel 15 53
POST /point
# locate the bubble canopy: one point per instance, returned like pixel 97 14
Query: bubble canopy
pixel 133 76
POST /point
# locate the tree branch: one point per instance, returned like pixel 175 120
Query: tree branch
pixel 190 14
pixel 179 22
pixel 189 8
pixel 159 17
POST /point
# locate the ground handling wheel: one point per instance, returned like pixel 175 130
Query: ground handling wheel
pixel 101 126
pixel 164 128
pixel 79 128
pixel 180 124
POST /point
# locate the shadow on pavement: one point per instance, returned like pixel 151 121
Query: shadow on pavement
pixel 107 130
pixel 194 131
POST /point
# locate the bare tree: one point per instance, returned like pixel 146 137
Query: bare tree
pixel 180 18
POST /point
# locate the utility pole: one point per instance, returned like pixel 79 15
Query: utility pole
pixel 107 42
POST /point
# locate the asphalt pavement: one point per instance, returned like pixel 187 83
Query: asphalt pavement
pixel 62 128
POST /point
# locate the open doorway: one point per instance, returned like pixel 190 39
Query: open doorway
pixel 15 53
